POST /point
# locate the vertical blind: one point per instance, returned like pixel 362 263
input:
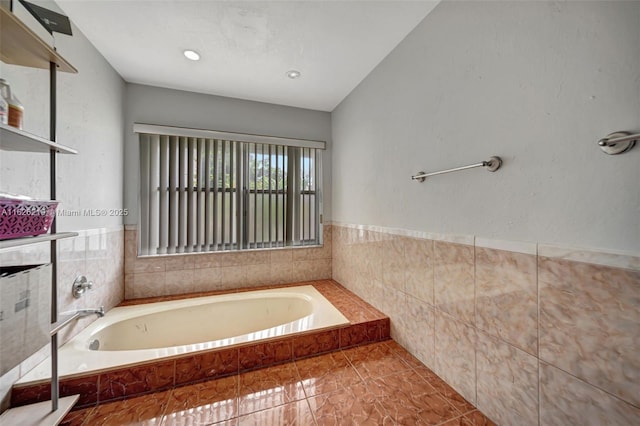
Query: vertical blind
pixel 200 194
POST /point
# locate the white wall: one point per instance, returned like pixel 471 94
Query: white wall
pixel 537 83
pixel 154 105
pixel 90 119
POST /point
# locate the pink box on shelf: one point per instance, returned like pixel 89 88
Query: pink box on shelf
pixel 25 218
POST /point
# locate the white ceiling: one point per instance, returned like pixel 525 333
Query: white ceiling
pixel 247 47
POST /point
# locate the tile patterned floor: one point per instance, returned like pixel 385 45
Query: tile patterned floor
pixel 376 384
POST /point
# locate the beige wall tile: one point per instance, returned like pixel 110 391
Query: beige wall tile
pixel 226 259
pixel 372 292
pixel 281 255
pixel 393 303
pixel 307 270
pixel 420 323
pixel 454 280
pixel 258 275
pixel 612 259
pixel 507 297
pixel 566 400
pixel 207 279
pixel 179 282
pixel 256 257
pixel 129 286
pixel 148 284
pixel 96 271
pixel 179 263
pixel 115 248
pixel 73 248
pixel 281 273
pixel 307 253
pixel 130 250
pixel 68 270
pixel 243 258
pixel 233 269
pixel 205 260
pixel 455 362
pixel 419 269
pixel 369 255
pixel 102 263
pixel 148 264
pixel 589 318
pixel 393 261
pixel 130 235
pixel 327 241
pixel 233 277
pixel 507 382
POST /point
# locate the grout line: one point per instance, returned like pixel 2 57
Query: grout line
pixel 433 300
pixel 313 414
pixel 538 335
pixel 87 416
pixel 450 420
pixel 164 412
pixel 475 320
pixel 583 381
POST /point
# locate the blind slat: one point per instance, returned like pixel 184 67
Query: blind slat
pixel 200 225
pixel 208 199
pixel 269 205
pixel 277 237
pixel 163 208
pixel 224 195
pixel 191 217
pixel 173 195
pixel 254 216
pixel 216 171
pixel 145 192
pixel 228 195
pixel 154 197
pixel 182 194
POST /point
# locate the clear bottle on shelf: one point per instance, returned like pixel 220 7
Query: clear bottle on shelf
pixel 15 110
pixel 4 105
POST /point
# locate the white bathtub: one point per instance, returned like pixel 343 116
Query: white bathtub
pixel 134 334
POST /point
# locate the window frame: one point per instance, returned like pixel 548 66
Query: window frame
pixel 240 191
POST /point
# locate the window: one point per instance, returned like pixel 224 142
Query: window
pixel 206 191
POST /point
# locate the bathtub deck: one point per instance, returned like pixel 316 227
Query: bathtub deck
pixel 367 325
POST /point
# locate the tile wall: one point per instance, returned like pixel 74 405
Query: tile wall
pixel 96 253
pixel 531 334
pixel 180 274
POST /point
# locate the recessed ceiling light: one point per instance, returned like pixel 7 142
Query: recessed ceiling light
pixel 192 54
pixel 293 74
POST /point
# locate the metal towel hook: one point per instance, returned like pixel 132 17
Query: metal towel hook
pixel 80 285
pixel 618 142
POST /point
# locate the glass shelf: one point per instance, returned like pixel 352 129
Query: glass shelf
pixel 12 139
pixel 17 242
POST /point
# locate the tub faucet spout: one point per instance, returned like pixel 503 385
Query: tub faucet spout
pixel 87 312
